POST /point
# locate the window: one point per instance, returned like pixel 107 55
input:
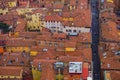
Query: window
pixel 43 6
pixel 34 27
pixel 42 23
pixel 70 30
pixel 61 45
pixel 44 42
pixel 11 51
pixel 22 63
pixel 76 1
pixel 66 30
pixel 87 45
pixel 74 30
pixel 9 62
pixel 39 42
pixel 50 44
pixel 55 44
pixel 2 76
pixel 52 27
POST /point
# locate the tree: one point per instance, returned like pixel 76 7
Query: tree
pixel 4 27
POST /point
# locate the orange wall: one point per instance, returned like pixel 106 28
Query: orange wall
pixel 1 50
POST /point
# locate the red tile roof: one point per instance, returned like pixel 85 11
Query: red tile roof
pixel 70 44
pixel 109 31
pixel 47 68
pixel 15 58
pixel 83 19
pixel 85 37
pixel 59 35
pixel 20 42
pixel 115 75
pixel 53 18
pixel 58 6
pixel 28 34
pixel 21 24
pixel 11 71
pixel 72 2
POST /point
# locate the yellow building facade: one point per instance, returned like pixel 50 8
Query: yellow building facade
pixel 112 1
pixel 34 22
pixel 67 19
pixel 36 74
pixel 22 11
pixel 12 3
pixel 70 49
pixel 18 49
pixel 33 53
pixel 3 11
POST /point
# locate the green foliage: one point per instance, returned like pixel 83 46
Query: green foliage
pixel 4 27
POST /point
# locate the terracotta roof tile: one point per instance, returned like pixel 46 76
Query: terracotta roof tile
pixel 109 60
pixel 20 42
pixel 72 2
pixel 14 59
pixel 28 34
pixel 110 63
pixel 108 15
pixel 70 58
pixel 115 75
pixel 4 37
pixel 53 18
pixel 47 68
pixel 70 44
pixel 11 71
pixel 85 37
pixel 58 6
pixel 59 35
pixel 109 31
pixel 84 19
pixel 21 24
pixel 6 17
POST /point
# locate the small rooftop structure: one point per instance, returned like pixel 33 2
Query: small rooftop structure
pixel 75 67
pixel 58 65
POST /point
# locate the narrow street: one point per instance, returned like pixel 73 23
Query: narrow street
pixel 95 40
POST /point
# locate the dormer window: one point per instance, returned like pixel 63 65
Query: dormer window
pixel 39 42
pixel 22 63
pixel 74 31
pixel 50 44
pixel 70 30
pixel 9 62
pixel 55 44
